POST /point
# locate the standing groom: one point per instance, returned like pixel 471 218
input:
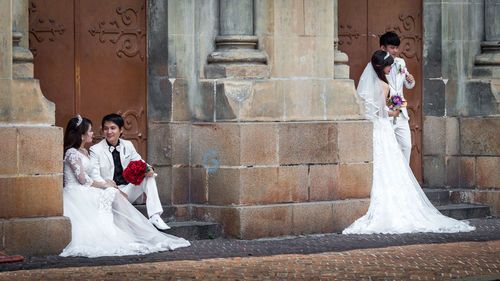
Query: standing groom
pixel 398 76
pixel 112 155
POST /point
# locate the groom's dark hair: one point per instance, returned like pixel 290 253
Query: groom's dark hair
pixel 115 118
pixel 389 38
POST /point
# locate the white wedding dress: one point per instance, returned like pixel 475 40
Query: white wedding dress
pixel 103 222
pixel 397 202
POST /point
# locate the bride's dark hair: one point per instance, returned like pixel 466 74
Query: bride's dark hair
pixel 74 132
pixel 380 60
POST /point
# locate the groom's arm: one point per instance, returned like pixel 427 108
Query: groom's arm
pixel 408 85
pixel 95 174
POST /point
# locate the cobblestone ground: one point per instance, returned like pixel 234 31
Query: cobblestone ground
pixel 415 262
pixel 422 256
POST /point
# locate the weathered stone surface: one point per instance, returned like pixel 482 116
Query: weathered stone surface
pixel 295 178
pixel 347 211
pixel 480 136
pixel 224 186
pixel 342 101
pixel 229 98
pixel 180 134
pixel 434 137
pixel 259 144
pixel 159 144
pixel 486 197
pixel 269 185
pixel 35 196
pixel 8 150
pixel 264 103
pixel 318 18
pixel 299 56
pixel 452 171
pixel 227 70
pixel 467 170
pixel 229 217
pixel 36 236
pixel 180 185
pixel 216 143
pixel 354 181
pixel 303 99
pixel 355 141
pixel 312 218
pixel 27 105
pixel 40 150
pixel 181 110
pixel 488 172
pixel 452 136
pixel 434 171
pixel 164 183
pixel 323 180
pixel 308 143
pixel 265 221
pixel 6 41
pixel 198 186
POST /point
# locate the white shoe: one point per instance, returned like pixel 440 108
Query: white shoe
pixel 159 223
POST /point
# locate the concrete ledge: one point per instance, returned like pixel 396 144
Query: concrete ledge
pixel 35 236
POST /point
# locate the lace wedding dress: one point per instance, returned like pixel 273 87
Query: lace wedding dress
pixel 397 202
pixel 103 222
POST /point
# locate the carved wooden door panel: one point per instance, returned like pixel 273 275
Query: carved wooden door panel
pixel 90 57
pixel 361 23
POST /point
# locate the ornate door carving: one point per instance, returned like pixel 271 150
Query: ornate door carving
pixel 361 23
pixel 90 57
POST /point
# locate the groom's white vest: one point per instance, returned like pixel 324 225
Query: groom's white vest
pixel 396 80
pixel 101 153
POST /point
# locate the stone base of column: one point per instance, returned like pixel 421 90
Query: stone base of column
pixel 251 222
pixel 238 70
pixel 35 236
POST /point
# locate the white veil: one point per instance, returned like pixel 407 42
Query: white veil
pixel 370 90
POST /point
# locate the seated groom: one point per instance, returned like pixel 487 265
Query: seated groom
pixel 112 155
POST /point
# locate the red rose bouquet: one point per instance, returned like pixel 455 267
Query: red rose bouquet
pixel 135 172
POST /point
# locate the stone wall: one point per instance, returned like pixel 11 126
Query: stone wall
pixel 31 181
pixel 461 101
pixel 262 138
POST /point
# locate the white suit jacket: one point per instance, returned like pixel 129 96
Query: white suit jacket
pixel 102 158
pixel 396 80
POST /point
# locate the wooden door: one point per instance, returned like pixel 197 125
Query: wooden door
pixel 361 23
pixel 90 58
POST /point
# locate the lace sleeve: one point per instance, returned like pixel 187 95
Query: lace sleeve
pixel 75 162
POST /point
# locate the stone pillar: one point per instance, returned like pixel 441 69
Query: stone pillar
pixel 490 47
pixel 31 221
pixel 237 54
pixel 341 67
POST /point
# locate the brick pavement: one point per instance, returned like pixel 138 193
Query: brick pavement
pixel 413 262
pixel 424 252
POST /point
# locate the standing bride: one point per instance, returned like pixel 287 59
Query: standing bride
pixel 103 222
pixel 397 203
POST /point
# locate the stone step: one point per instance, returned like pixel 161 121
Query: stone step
pixel 195 230
pixel 464 211
pixel 437 196
pixel 190 230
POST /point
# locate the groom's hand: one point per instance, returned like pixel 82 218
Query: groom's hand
pixel 410 78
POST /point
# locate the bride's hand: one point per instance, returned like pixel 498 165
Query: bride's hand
pixel 394 113
pixel 111 183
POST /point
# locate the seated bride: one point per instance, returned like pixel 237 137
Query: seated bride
pixel 103 221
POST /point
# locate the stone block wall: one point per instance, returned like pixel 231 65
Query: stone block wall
pixel 461 102
pixel 282 153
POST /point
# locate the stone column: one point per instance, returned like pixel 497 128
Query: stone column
pixel 31 221
pixel 490 47
pixel 341 67
pixel 237 54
